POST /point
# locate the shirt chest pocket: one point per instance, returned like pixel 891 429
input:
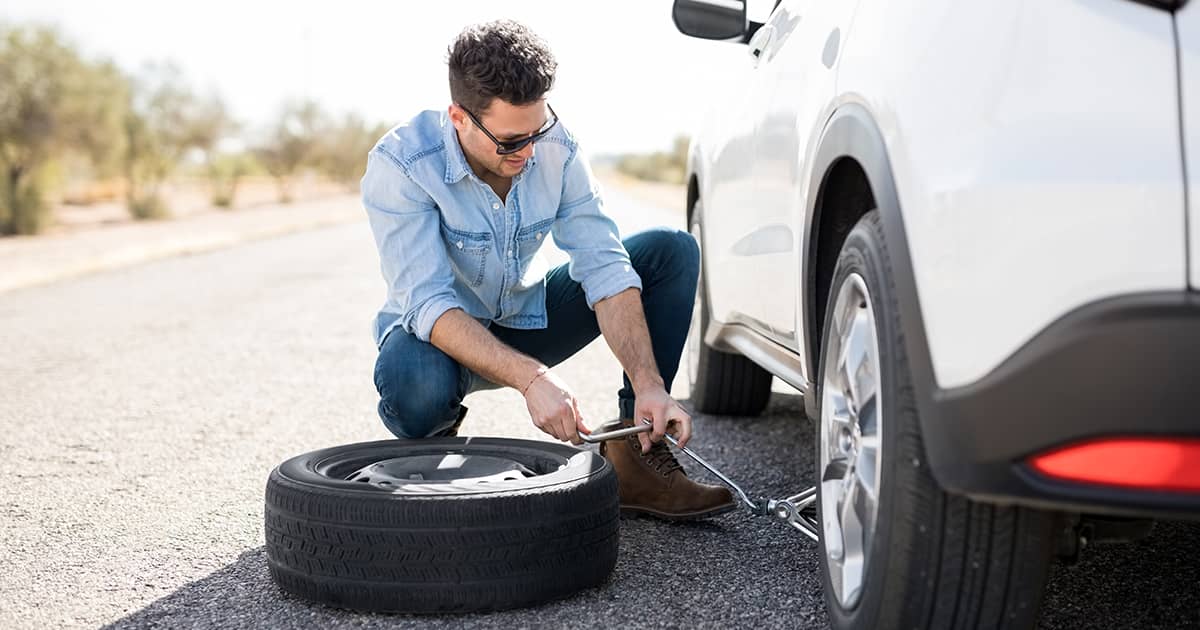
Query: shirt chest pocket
pixel 468 251
pixel 531 237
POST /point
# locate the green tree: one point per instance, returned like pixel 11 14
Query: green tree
pixel 679 152
pixel 225 171
pixel 97 102
pixel 51 102
pixel 209 124
pixel 159 130
pixel 660 166
pixel 342 154
pixel 293 142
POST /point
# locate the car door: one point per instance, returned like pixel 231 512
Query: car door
pixel 1188 25
pixel 730 196
pixel 726 188
pixel 798 71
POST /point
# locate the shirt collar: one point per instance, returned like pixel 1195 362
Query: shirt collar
pixel 456 162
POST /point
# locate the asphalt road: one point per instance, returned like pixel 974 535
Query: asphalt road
pixel 141 411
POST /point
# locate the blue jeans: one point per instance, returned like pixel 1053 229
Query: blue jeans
pixel 421 388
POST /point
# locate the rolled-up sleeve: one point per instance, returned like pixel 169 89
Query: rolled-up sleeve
pixel 598 260
pixel 406 224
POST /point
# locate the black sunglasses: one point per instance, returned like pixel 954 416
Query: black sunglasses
pixel 512 146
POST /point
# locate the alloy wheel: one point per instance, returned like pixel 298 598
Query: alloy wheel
pixel 850 435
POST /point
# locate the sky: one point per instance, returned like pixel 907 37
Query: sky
pixel 627 80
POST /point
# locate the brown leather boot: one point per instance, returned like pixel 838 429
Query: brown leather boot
pixel 655 483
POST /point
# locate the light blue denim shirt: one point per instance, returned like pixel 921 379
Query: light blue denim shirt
pixel 446 240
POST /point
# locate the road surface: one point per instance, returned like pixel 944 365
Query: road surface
pixel 142 410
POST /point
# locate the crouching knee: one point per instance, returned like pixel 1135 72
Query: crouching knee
pixel 418 392
pixel 415 415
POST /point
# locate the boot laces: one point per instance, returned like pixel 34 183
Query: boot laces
pixel 660 457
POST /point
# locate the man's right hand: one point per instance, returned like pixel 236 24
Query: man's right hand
pixel 554 409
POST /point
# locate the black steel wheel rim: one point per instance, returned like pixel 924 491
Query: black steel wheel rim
pixel 441 466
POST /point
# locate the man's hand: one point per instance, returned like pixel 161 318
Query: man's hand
pixel 657 405
pixel 554 409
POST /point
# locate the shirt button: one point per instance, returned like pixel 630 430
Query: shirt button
pixel 510 253
pixel 539 236
pixel 495 206
pixel 459 244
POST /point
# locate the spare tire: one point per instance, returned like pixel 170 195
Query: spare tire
pixel 442 524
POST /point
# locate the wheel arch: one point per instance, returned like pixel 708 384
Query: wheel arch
pixel 693 193
pixel 844 197
pixel 852 174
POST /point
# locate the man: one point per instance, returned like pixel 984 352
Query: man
pixel 459 202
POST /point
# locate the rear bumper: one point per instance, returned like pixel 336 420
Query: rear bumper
pixel 1126 366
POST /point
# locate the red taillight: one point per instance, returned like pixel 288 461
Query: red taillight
pixel 1141 463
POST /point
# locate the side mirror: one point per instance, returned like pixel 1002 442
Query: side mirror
pixel 711 19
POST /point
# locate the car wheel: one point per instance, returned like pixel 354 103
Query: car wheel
pixel 441 524
pixel 722 383
pixel 897 551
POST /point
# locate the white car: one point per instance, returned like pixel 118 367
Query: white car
pixel 963 231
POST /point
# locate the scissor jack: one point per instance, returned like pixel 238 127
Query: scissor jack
pixel 798 511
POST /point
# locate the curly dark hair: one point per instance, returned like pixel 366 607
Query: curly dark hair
pixel 501 59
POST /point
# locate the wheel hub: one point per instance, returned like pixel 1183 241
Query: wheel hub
pixel 846 441
pixel 450 468
pixel 850 457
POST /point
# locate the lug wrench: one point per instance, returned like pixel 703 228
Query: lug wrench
pixel 798 511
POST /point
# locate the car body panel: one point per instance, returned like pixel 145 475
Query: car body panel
pixel 1188 24
pixel 728 184
pixel 1060 387
pixel 1037 165
pixel 799 64
pixel 1027 163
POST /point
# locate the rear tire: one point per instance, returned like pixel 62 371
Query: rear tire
pixel 722 383
pixel 932 559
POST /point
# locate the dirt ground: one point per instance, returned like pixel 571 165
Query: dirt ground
pixel 189 197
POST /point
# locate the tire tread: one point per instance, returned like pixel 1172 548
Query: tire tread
pixel 450 553
pixel 956 563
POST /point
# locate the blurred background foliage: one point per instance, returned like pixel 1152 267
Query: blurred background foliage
pixel 663 166
pixel 78 130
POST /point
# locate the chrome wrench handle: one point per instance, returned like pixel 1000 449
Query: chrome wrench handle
pixel 595 438
pixel 757 507
pixel 798 511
